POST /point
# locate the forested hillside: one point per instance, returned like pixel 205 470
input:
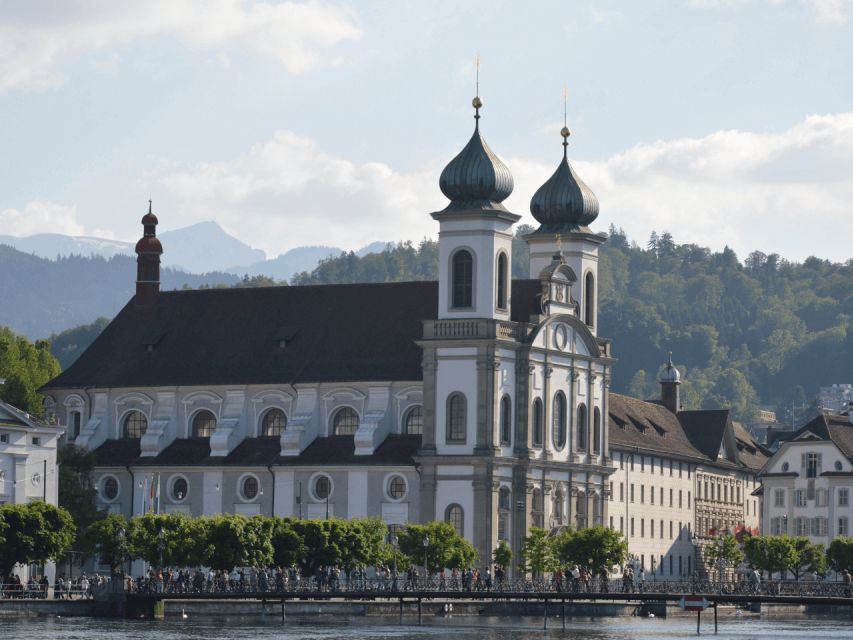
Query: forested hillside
pixel 40 296
pixel 759 332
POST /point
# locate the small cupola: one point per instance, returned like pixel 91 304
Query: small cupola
pixel 670 381
pixel 564 202
pixel 556 282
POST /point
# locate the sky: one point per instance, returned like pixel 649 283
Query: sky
pixel 723 122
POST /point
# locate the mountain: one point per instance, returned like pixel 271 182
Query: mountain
pixel 299 260
pixel 53 245
pixel 40 296
pixel 205 247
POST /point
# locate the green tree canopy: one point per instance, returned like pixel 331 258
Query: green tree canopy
pixel 502 554
pixel 234 541
pixel 725 551
pixel 592 547
pixel 25 366
pixel 538 551
pixel 112 547
pixel 840 553
pixel 77 493
pixel 447 549
pixel 35 532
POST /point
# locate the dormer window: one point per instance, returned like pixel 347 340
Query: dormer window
pixel 345 422
pixel 135 424
pixel 274 423
pixel 204 424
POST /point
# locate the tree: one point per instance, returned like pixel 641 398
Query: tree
pixel 77 493
pixel 112 547
pixel 35 532
pixel 770 553
pixel 25 366
pixel 287 544
pixel 182 542
pixel 537 551
pixel 447 549
pixel 808 557
pixel 840 554
pixel 362 542
pixel 502 554
pixel 237 541
pixel 724 552
pixel 592 547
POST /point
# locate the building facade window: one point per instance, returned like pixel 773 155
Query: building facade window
pixel 274 423
pixel 345 422
pixel 843 527
pixel 582 428
pixel 322 488
pixel 589 299
pixel 135 424
pixel 502 279
pixel 800 497
pixel 179 489
pixel 75 421
pixel 414 421
pixel 456 517
pixel 506 420
pixel 204 424
pixel 463 279
pixel 811 462
pixel 596 431
pixel 109 488
pixel 538 422
pixel 456 418
pixel 559 420
pixel 843 497
pixel 397 487
pixel 779 498
pixel 504 512
pixel 819 527
pixel 820 498
pixel 249 488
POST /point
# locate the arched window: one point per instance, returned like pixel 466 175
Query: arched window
pixel 596 430
pixel 559 419
pixel 75 425
pixel 589 299
pixel 502 281
pixel 135 424
pixel 506 420
pixel 463 279
pixel 582 428
pixel 274 423
pixel 538 424
pixel 345 422
pixel 455 516
pixel 204 424
pixel 414 421
pixel 456 417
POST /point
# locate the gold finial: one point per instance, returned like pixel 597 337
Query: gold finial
pixel 476 102
pixel 565 132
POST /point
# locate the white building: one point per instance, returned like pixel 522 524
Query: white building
pixel 808 482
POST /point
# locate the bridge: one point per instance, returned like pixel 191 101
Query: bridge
pixel 553 602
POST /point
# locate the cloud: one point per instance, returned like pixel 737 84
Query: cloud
pixel 787 192
pixel 287 192
pixel 40 216
pixel 765 191
pixel 823 11
pixel 36 40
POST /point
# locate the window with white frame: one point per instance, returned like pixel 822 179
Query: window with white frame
pixel 820 498
pixel 801 526
pixel 800 497
pixel 779 498
pixel 811 462
pixel 843 497
pixel 818 526
pixel 779 525
pixel 843 527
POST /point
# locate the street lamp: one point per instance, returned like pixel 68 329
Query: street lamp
pixel 161 536
pixel 653 568
pixel 426 549
pixel 122 546
pixel 720 543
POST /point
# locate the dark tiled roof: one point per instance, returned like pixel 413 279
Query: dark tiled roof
pixel 705 429
pixel 830 426
pixel 233 336
pixel 264 451
pixel 750 452
pixel 647 425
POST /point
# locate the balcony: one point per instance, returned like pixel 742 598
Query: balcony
pixel 475 328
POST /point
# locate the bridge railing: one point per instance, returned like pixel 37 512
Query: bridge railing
pixel 402 585
pixel 13 591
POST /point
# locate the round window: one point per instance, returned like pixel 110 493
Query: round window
pixel 322 487
pixel 180 488
pixel 110 488
pixel 785 466
pixel 397 487
pixel 838 465
pixel 250 488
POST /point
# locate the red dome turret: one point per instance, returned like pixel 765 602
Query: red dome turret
pixel 148 252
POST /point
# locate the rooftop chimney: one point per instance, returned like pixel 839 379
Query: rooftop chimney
pixel 148 252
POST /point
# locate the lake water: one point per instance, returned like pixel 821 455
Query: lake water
pixel 468 628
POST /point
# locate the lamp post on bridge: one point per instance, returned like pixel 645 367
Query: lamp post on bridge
pixel 426 550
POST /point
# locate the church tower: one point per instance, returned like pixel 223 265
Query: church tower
pixel 148 252
pixel 475 234
pixel 564 207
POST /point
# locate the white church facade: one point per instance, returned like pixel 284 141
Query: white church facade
pixel 477 399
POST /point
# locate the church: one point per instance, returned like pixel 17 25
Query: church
pixel 477 399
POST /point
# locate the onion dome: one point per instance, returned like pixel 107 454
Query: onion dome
pixel 670 373
pixel 149 243
pixel 564 202
pixel 476 175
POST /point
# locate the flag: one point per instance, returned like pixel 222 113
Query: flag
pixel 152 492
